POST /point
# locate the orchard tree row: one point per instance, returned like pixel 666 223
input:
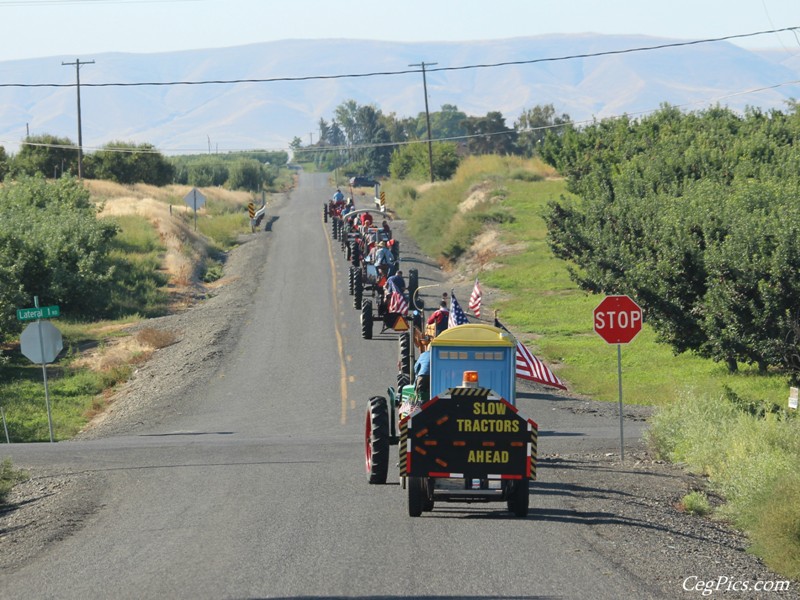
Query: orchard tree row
pixel 129 163
pixel 696 216
pixel 362 140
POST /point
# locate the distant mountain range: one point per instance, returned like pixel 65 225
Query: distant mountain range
pixel 225 116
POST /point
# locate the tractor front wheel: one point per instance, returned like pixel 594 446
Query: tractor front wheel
pixel 376 438
pixel 417 496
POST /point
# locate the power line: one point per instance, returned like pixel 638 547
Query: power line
pixel 793 29
pixel 318 149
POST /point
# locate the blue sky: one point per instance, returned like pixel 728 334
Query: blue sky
pixel 81 28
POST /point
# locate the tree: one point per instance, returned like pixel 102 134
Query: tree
pixel 445 123
pixel 52 245
pixel 490 135
pixel 5 165
pixel 48 155
pixel 533 125
pixel 411 161
pixel 127 162
pixel 695 216
pixel 246 174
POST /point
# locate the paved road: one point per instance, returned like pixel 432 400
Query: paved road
pixel 257 488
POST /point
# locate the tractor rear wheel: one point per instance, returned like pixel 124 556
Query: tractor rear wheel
pixel 325 213
pixel 334 227
pixel 413 284
pixel 417 496
pixel 366 320
pixel 519 498
pixel 358 289
pixel 351 277
pixel 376 438
pixel 402 381
pixel 354 260
pixel 404 352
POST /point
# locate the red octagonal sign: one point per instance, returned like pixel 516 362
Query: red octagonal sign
pixel 617 319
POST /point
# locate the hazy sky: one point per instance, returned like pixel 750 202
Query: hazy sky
pixel 82 28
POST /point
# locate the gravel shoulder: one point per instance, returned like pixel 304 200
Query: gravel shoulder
pixel 629 512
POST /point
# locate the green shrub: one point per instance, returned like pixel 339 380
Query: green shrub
pixel 696 503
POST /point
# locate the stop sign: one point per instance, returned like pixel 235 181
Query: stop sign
pixel 617 319
pixel 41 342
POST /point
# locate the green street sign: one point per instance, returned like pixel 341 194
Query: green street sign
pixel 43 312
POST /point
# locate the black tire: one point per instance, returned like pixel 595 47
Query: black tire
pixel 376 439
pixel 325 213
pixel 358 290
pixel 348 253
pixel 427 501
pixel 413 284
pixel 417 495
pixel 354 254
pixel 519 498
pixel 334 228
pixel 417 318
pixel 351 278
pixel 404 352
pixel 366 320
pixel 402 381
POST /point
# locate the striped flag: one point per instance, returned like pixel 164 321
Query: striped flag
pixel 475 299
pixel 457 316
pixel 531 368
pixel 397 303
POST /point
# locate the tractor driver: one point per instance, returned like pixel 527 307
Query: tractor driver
pixel 422 374
pixel 384 259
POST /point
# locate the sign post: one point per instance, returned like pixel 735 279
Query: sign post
pixel 618 319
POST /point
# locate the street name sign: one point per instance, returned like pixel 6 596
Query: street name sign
pixel 41 312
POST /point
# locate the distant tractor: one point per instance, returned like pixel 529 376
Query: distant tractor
pixel 461 438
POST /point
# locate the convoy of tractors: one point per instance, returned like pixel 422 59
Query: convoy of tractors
pixel 458 432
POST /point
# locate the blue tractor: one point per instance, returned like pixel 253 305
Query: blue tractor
pixel 462 439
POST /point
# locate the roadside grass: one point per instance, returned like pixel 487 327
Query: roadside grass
pixel 696 503
pixel 722 425
pixel 9 477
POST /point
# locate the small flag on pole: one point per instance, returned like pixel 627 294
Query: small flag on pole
pixel 457 316
pixel 475 299
pixel 531 368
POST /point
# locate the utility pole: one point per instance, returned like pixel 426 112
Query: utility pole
pixel 427 113
pixel 78 64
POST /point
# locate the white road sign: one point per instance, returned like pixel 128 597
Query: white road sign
pixel 194 199
pixel 41 350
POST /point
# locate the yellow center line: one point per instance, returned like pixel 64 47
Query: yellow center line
pixel 339 340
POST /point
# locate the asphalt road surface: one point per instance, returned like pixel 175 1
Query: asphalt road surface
pixel 256 488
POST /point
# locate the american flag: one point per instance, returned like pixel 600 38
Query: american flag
pixel 475 299
pixel 397 303
pixel 531 368
pixel 457 316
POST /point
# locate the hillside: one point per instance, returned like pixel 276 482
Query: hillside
pixel 223 116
